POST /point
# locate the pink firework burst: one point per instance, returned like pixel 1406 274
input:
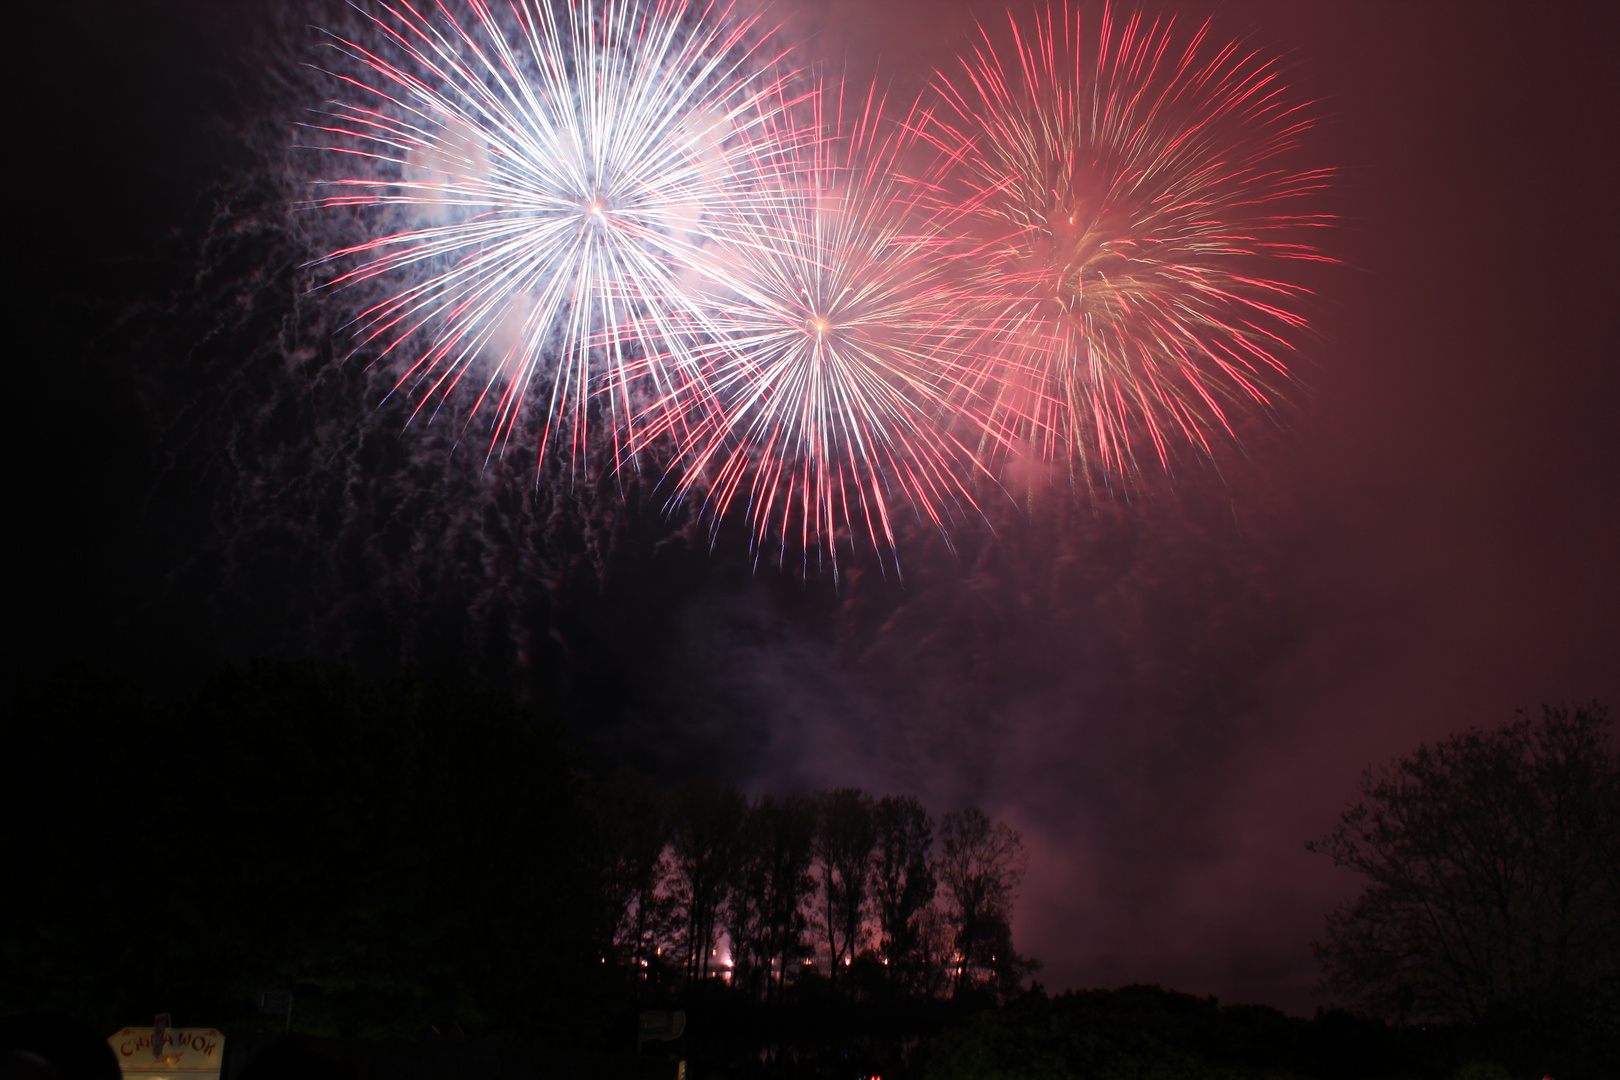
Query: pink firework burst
pixel 1123 210
pixel 832 356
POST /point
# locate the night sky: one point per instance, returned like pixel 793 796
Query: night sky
pixel 1168 694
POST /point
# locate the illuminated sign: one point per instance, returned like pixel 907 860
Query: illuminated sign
pixel 183 1053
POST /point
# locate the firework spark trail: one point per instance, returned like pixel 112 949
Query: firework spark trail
pixel 832 351
pixel 561 170
pixel 1120 213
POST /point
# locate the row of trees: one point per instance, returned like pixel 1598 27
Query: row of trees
pixel 859 890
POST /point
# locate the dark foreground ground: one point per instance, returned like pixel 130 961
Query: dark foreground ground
pixel 1133 1033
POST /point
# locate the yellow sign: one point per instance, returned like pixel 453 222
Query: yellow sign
pixel 186 1053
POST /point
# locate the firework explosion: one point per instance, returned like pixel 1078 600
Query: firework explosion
pixel 630 209
pixel 832 350
pixel 1119 212
pixel 555 172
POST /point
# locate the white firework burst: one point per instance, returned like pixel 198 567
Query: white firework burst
pixel 831 348
pixel 545 175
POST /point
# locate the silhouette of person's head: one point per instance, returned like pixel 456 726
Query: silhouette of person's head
pixel 52 1047
pixel 26 1065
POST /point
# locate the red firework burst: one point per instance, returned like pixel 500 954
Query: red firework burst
pixel 1121 212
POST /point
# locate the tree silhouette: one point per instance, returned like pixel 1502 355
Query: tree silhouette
pixel 767 924
pixel 846 832
pixel 635 829
pixel 980 866
pixel 1492 861
pixel 706 821
pixel 903 882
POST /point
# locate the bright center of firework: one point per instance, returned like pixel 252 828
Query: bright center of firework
pixel 819 326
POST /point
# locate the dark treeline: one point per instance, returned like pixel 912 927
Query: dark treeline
pixel 418 858
pixel 835 933
pixel 867 894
